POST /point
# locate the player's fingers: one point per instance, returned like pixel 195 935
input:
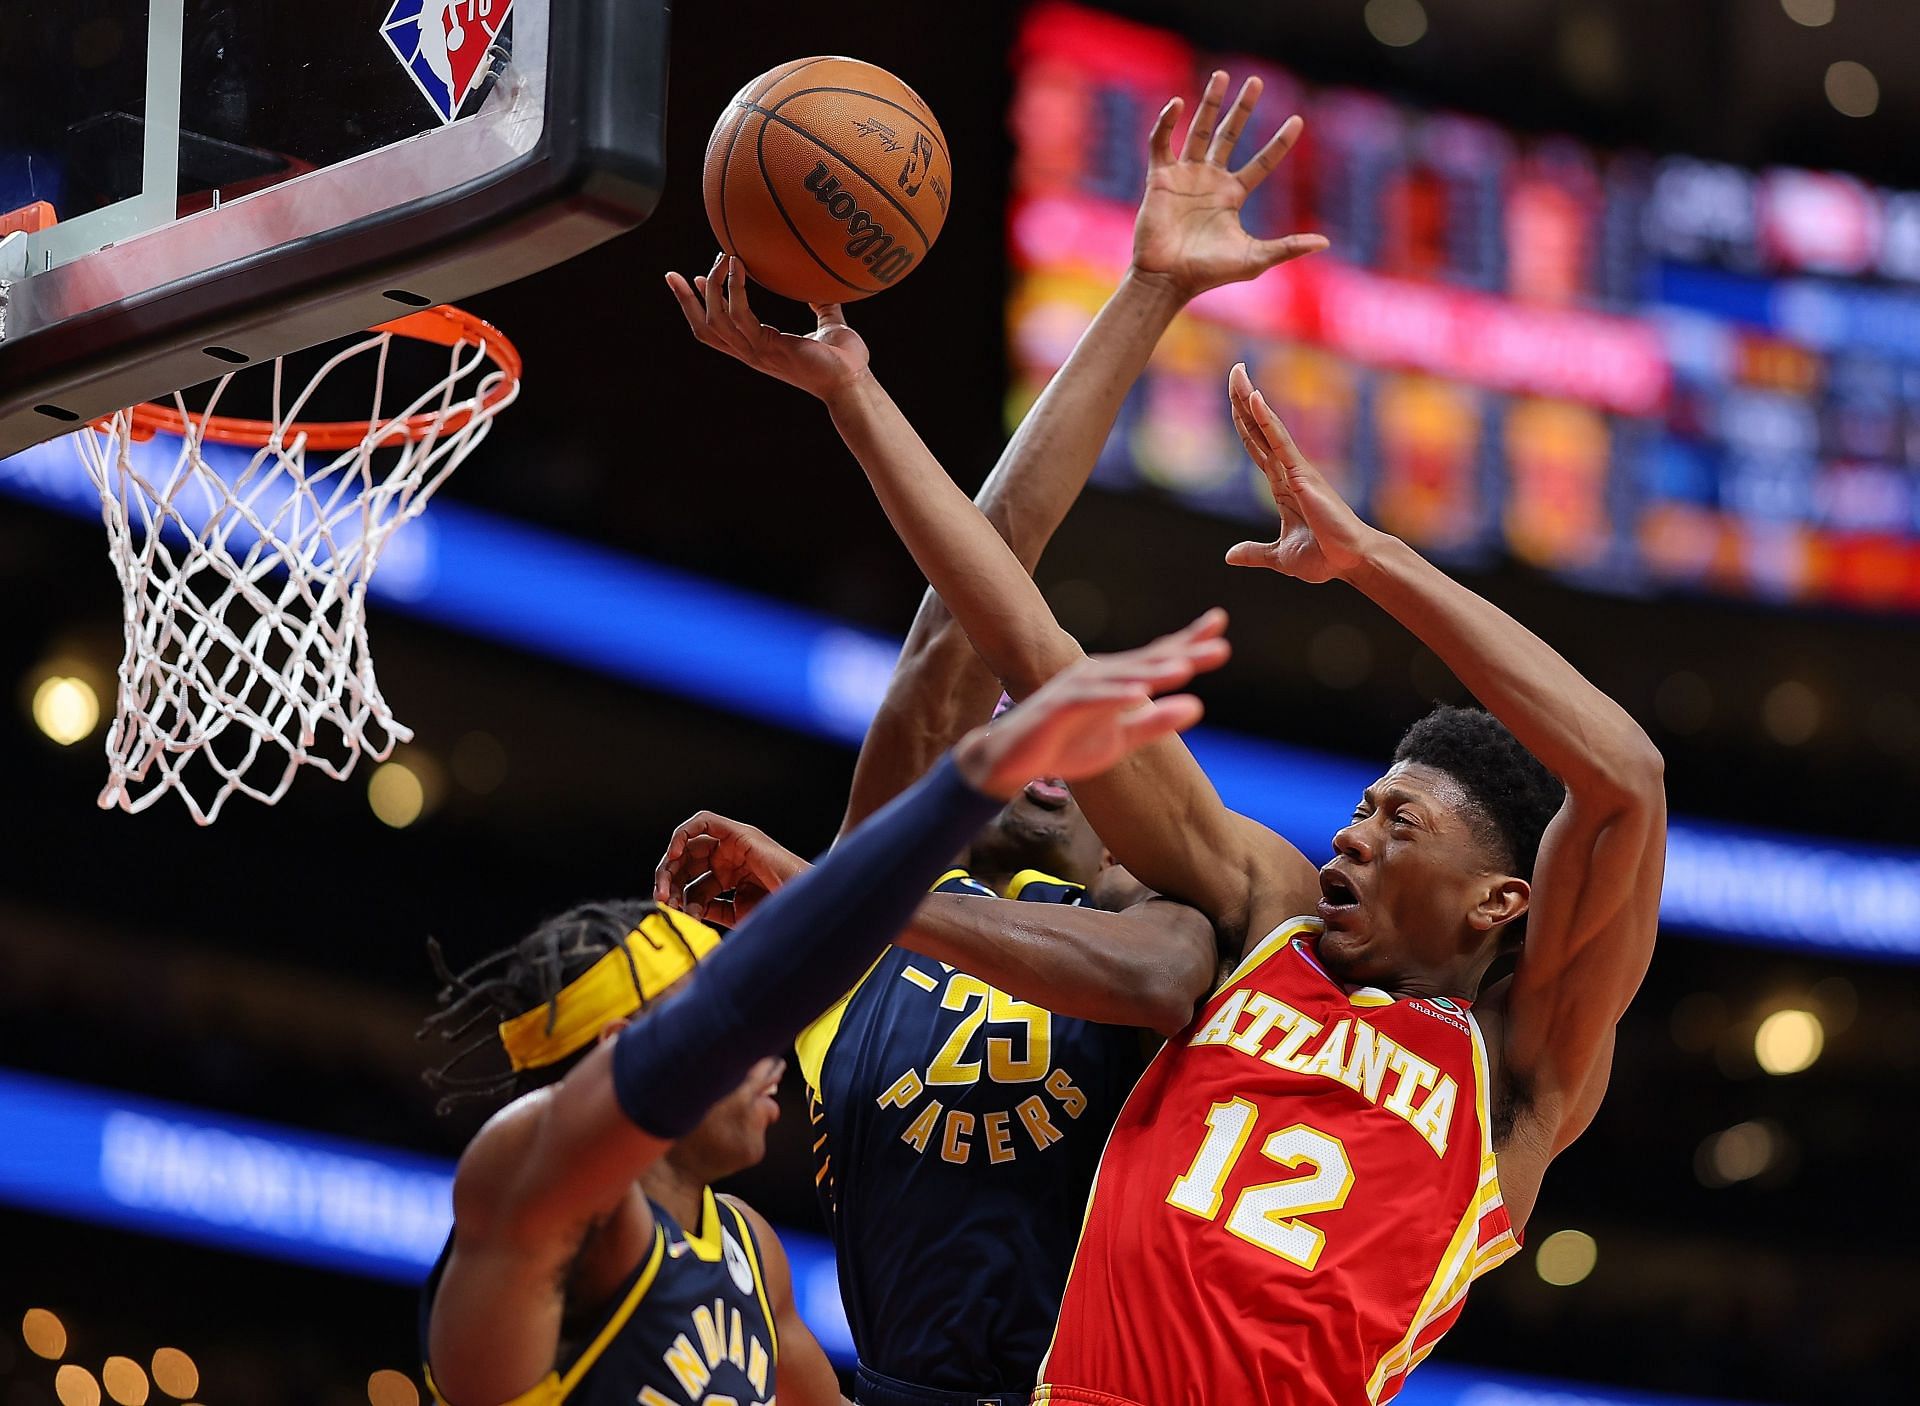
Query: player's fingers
pixel 1161 718
pixel 1201 132
pixel 699 895
pixel 1275 431
pixel 1160 139
pixel 1251 554
pixel 1265 161
pixel 739 310
pixel 713 294
pixel 1220 150
pixel 1270 253
pixel 690 305
pixel 829 315
pixel 687 860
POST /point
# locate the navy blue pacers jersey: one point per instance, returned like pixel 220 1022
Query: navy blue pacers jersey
pixel 690 1325
pixel 956 1131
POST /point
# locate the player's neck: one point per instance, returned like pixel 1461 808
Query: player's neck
pixel 681 1194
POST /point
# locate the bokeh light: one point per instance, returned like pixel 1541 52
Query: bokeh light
pixel 1396 23
pixel 396 795
pixel 1738 1154
pixel 1811 13
pixel 75 1386
pixel 46 1335
pixel 1852 89
pixel 1791 713
pixel 175 1373
pixel 1566 1257
pixel 65 708
pixel 390 1388
pixel 125 1380
pixel 1789 1041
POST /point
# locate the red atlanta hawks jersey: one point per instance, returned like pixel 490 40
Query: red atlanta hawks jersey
pixel 1293 1201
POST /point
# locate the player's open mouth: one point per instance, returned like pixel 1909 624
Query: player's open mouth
pixel 1338 897
pixel 1048 792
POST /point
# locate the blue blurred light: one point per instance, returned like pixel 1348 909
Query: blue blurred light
pixel 185 1173
pixel 94 1155
pixel 793 668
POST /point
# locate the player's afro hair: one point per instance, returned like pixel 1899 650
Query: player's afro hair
pixel 515 980
pixel 1515 794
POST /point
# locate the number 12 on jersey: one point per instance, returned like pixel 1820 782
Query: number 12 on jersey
pixel 1267 1215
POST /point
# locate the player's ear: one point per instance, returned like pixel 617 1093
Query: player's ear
pixel 1502 899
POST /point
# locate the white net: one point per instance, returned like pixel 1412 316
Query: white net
pixel 245 550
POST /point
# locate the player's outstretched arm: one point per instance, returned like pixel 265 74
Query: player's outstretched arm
pixel 1188 238
pixel 1147 965
pixel 1594 903
pixel 558 1162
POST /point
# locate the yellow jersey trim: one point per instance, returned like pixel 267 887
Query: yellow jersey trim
pixel 1019 882
pixel 552 1389
pixel 759 1279
pixel 1268 945
pixel 812 1044
pixel 615 1323
pixel 706 1243
pixel 1465 1260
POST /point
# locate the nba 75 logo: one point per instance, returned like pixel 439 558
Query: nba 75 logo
pixel 445 45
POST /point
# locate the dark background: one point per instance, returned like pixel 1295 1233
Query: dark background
pixel 273 964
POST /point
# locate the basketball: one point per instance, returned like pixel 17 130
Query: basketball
pixel 829 178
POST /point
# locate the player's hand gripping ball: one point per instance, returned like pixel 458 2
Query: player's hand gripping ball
pixel 828 178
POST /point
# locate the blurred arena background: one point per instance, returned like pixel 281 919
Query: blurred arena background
pixel 1604 329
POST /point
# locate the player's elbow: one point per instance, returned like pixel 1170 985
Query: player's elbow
pixel 1628 772
pixel 1161 995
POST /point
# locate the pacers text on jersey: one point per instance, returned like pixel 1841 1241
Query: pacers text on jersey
pixel 1023 1055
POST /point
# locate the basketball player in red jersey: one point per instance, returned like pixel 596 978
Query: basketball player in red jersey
pixel 1307 1179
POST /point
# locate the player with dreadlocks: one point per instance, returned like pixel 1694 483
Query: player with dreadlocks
pixel 589 1261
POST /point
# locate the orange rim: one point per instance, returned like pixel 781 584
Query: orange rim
pixel 442 326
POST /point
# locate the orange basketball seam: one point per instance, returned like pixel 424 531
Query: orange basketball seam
pixel 726 220
pixel 879 187
pixel 773 194
pixel 780 75
pixel 928 121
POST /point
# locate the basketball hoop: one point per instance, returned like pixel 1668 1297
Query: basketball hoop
pixel 232 680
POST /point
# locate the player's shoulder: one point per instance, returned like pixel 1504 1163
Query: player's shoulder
pixel 770 1255
pixel 496 1157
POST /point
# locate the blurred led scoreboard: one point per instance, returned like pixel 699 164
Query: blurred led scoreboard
pixel 1636 372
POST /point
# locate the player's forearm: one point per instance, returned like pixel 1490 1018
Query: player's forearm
pixel 963 558
pixel 1577 732
pixel 940 687
pixel 1050 457
pixel 1146 967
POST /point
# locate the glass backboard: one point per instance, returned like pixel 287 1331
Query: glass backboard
pixel 187 185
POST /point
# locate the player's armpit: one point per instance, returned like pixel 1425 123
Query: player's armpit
pixel 523 1204
pixel 805 1376
pixel 1591 926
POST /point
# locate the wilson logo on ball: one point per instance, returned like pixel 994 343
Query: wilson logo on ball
pixel 867 239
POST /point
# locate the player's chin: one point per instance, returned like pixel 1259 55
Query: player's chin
pixel 1343 938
